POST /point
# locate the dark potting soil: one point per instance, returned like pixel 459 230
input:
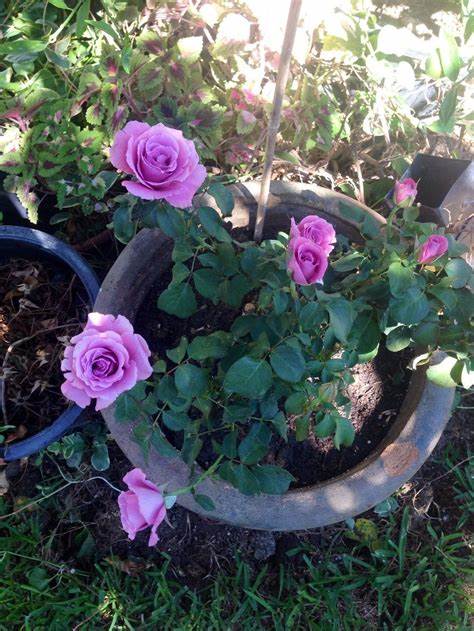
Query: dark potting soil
pixel 40 309
pixel 376 395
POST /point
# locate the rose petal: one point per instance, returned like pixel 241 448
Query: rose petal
pixel 182 196
pixel 130 515
pixel 75 394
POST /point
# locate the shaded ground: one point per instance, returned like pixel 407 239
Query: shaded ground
pixel 84 518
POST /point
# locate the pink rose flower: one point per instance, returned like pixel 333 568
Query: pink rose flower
pixel 141 506
pixel 315 229
pixel 405 192
pixel 103 361
pixel 165 164
pixel 434 247
pixel 308 261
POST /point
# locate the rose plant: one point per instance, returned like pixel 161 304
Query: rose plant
pixel 308 306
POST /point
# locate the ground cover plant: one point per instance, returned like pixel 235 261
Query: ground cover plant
pixel 71 76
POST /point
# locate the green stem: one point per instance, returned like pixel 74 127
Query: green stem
pixel 205 474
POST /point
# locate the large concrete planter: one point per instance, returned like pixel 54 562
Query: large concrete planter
pixel 423 416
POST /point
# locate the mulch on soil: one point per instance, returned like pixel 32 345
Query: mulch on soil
pixel 40 309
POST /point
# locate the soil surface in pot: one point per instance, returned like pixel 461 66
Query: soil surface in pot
pixel 40 309
pixel 376 395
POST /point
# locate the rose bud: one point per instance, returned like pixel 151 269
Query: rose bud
pixel 165 164
pixel 143 505
pixel 404 192
pixel 103 361
pixel 435 246
pixel 308 261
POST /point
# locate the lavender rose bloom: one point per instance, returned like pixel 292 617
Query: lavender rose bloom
pixel 404 192
pixel 434 247
pixel 165 164
pixel 141 506
pixel 103 361
pixel 315 229
pixel 308 261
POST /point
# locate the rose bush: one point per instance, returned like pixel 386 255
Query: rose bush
pixel 103 361
pixel 165 164
pixel 307 308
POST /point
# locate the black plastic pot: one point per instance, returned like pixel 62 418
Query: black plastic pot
pixel 33 244
pixel 445 187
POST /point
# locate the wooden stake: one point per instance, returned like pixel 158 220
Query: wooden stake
pixel 274 124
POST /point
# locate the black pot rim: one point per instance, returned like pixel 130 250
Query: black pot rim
pixel 64 253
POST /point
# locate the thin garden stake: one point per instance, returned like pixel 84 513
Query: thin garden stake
pixel 274 124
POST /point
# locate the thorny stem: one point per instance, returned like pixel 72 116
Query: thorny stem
pixel 205 474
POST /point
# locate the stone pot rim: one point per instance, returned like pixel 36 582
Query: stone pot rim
pixel 414 434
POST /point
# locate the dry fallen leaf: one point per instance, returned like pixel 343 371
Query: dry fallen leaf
pixel 19 432
pixel 132 568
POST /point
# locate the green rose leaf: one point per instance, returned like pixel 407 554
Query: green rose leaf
pixel 311 316
pixel 398 339
pixel 349 262
pixel 207 282
pixel 426 333
pixel 412 308
pixel 190 380
pixel 449 56
pixel 241 477
pixel 288 363
pixel 223 198
pixel 213 346
pixel 272 479
pixel 399 278
pixel 212 224
pixel 233 291
pixel 249 377
pixel 255 445
pixel 341 317
pixel 170 221
pixel 178 300
pixel 447 373
pixel 280 424
pixel 162 446
pixel 127 408
pixel 100 456
pixel 177 354
pixel 459 272
pixel 296 402
pixel 124 226
pixel 344 433
pixel 325 427
pixel 176 421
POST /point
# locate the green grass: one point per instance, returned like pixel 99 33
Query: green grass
pixel 409 581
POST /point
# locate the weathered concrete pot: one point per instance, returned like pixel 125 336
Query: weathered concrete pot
pixel 423 416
